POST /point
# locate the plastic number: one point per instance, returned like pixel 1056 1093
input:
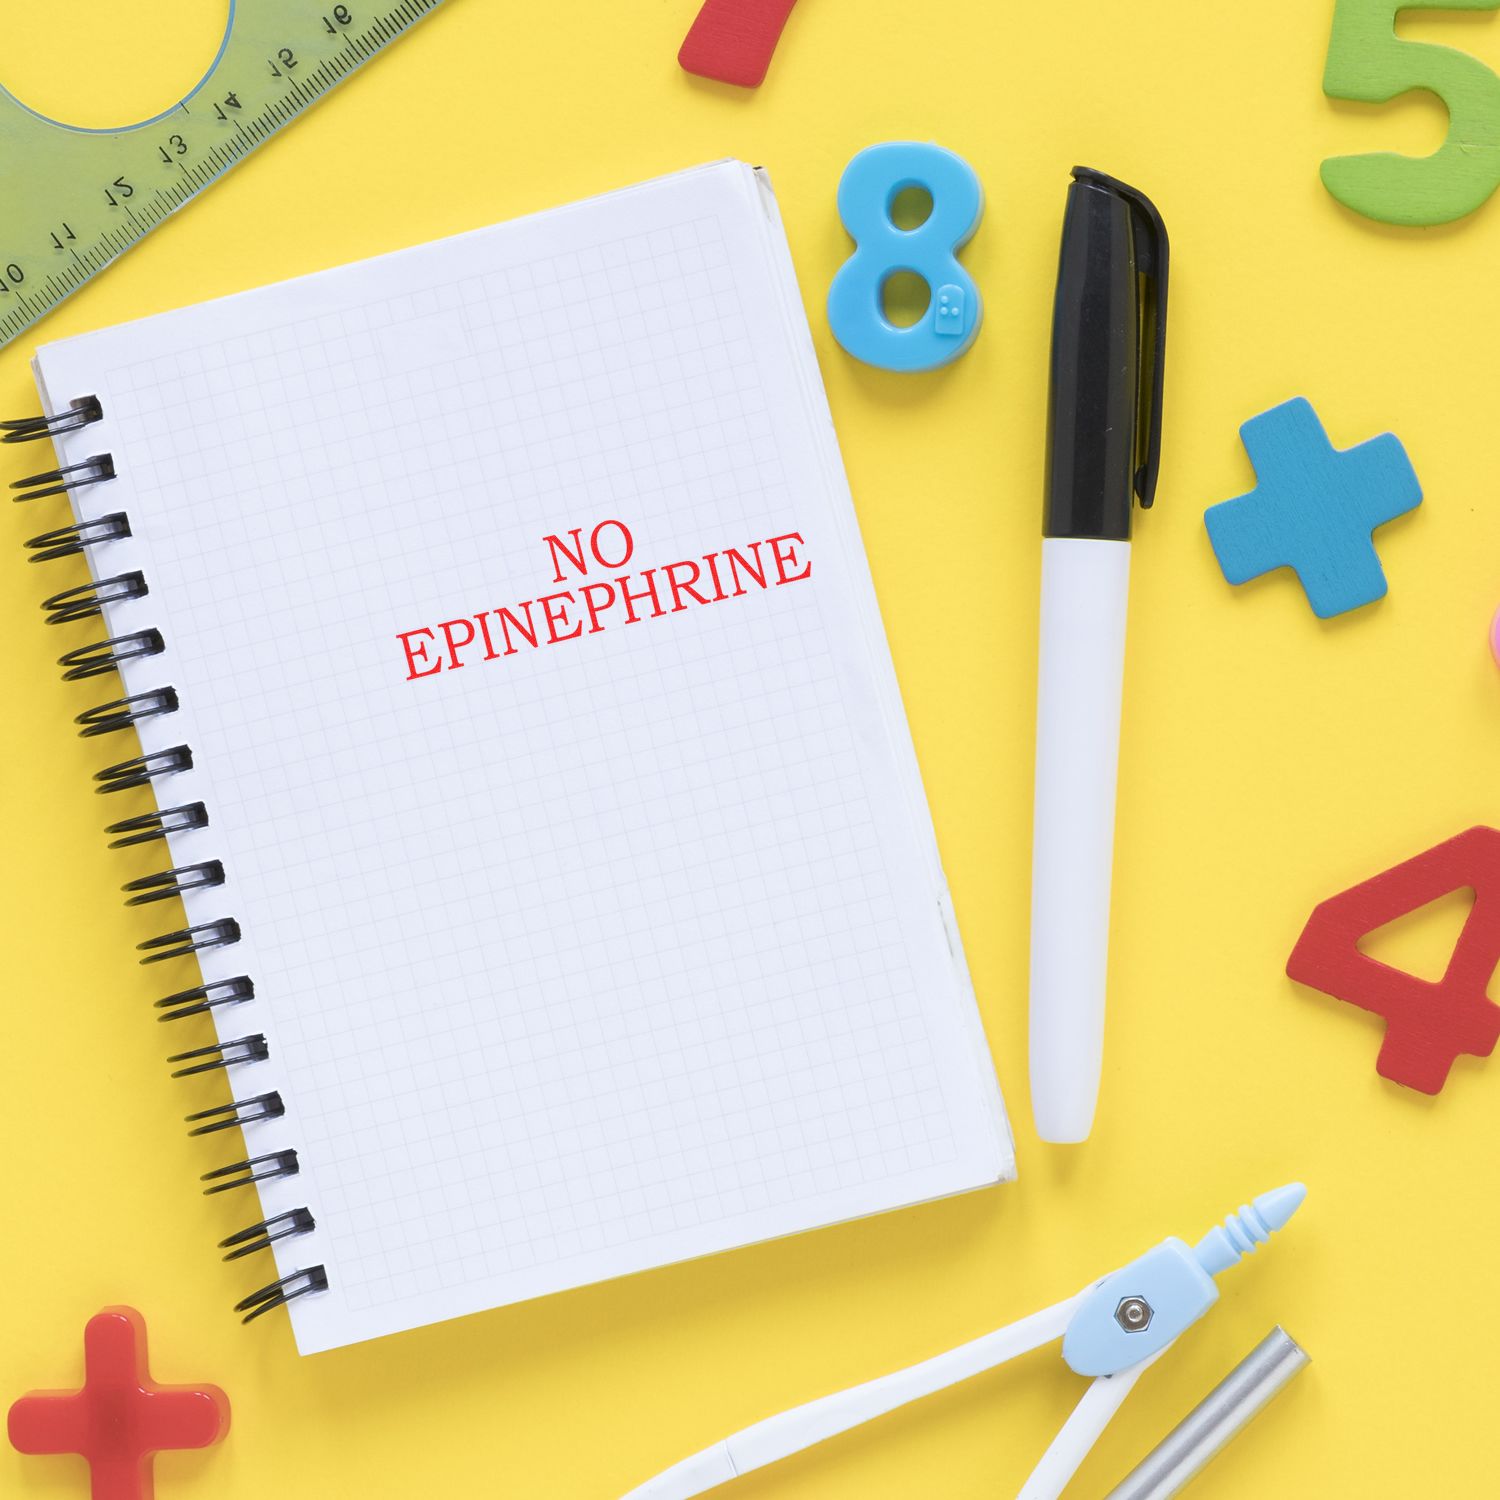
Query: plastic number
pixel 1369 63
pixel 867 191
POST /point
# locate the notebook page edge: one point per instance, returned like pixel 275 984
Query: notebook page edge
pixel 898 727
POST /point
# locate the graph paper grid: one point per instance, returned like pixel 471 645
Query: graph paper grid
pixel 605 954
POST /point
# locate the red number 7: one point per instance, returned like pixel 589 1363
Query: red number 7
pixel 732 40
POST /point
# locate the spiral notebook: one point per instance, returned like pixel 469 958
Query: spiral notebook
pixel 518 731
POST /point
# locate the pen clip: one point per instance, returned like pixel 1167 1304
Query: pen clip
pixel 1153 255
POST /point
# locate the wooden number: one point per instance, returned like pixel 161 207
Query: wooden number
pixel 1369 63
pixel 1429 1024
pixel 732 40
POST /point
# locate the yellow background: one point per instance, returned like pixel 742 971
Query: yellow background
pixel 1269 761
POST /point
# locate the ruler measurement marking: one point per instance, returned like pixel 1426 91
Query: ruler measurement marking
pixel 93 163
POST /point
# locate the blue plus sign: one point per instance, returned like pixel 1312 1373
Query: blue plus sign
pixel 1314 508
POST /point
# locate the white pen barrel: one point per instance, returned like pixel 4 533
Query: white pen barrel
pixel 1085 588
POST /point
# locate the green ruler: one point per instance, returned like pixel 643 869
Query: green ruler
pixel 71 200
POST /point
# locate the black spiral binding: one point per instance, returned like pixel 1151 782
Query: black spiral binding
pixel 110 718
pixel 85 602
pixel 69 541
pixel 279 1293
pixel 168 883
pixel 241 1112
pixel 224 1055
pixel 156 825
pixel 141 769
pixel 27 429
pixel 89 599
pixel 93 470
pixel 203 998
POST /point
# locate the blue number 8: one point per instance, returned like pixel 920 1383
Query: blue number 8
pixel 867 191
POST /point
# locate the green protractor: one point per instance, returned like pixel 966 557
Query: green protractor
pixel 71 199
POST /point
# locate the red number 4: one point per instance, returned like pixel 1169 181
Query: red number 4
pixel 1428 1024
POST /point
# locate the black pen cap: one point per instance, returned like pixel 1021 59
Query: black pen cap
pixel 1108 341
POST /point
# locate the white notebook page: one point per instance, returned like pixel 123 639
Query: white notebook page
pixel 577 958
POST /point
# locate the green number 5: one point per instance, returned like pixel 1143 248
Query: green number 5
pixel 1368 62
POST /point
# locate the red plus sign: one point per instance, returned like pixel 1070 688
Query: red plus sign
pixel 121 1417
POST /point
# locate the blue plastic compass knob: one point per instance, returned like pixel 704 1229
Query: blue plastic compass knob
pixel 1138 1310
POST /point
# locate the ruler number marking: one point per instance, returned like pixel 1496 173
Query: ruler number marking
pixel 357 35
